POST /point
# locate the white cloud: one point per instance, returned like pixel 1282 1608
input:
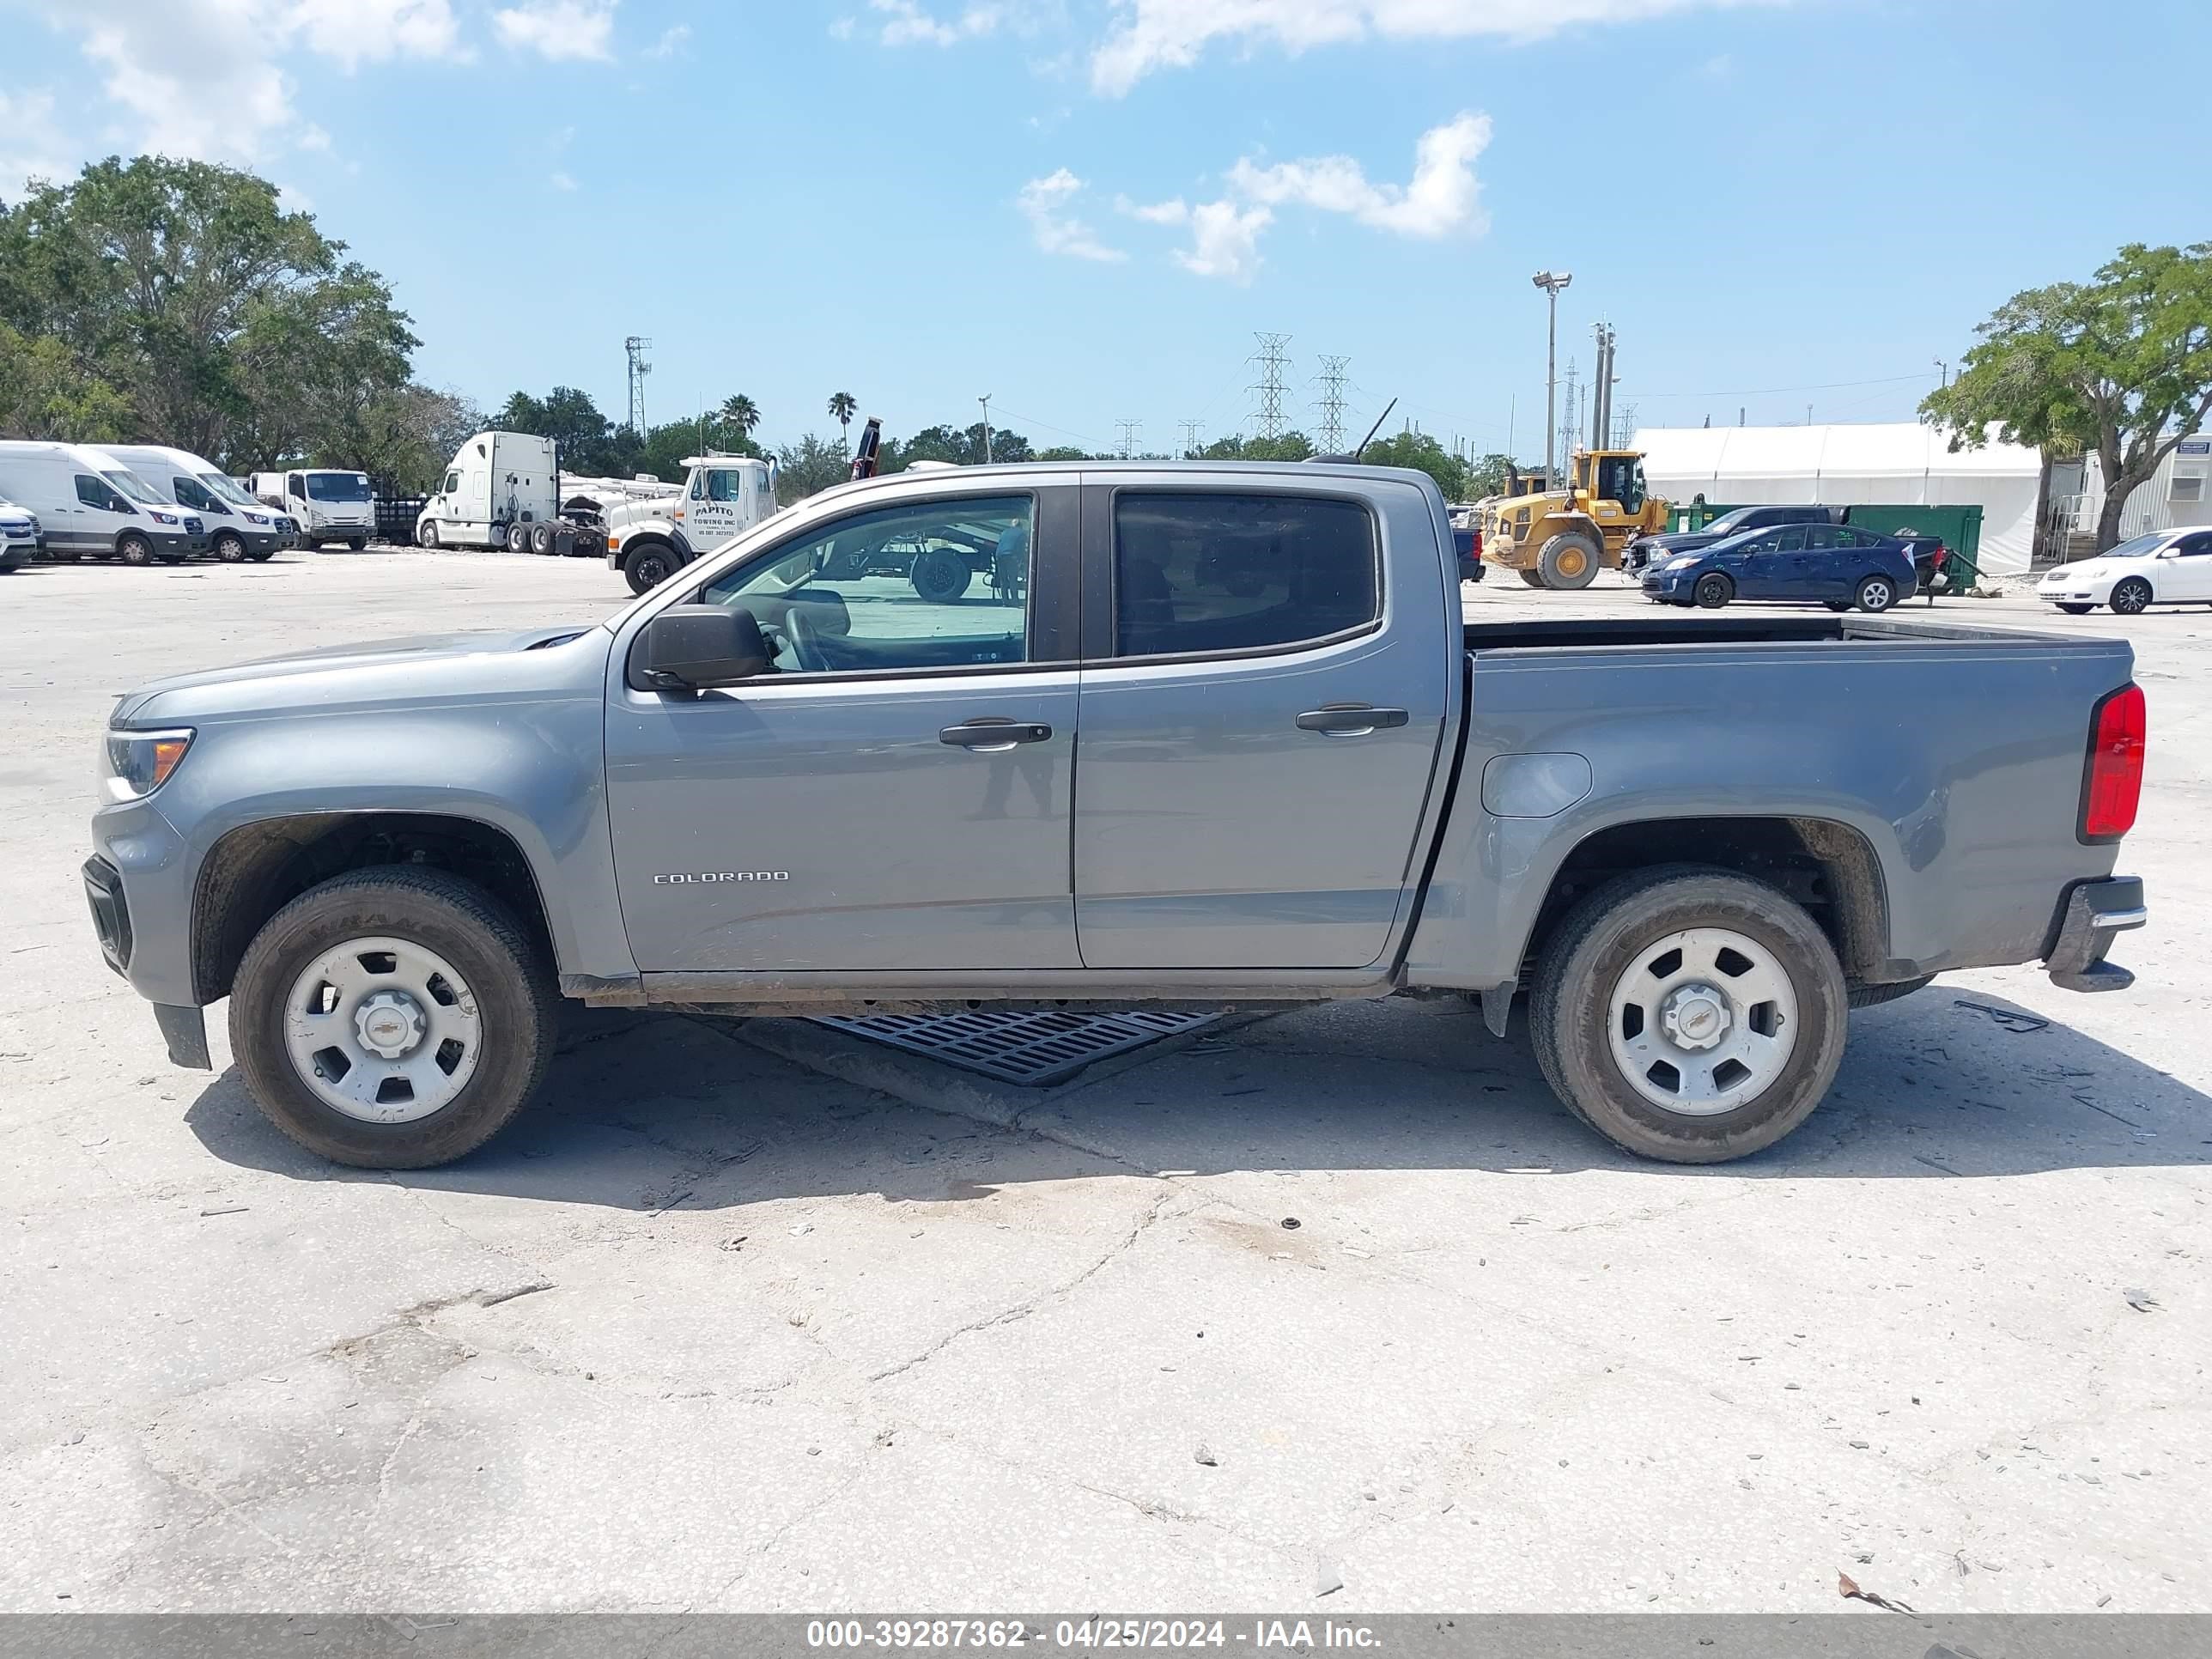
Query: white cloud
pixel 672 41
pixel 561 181
pixel 910 25
pixel 1171 34
pixel 1044 202
pixel 214 79
pixel 354 32
pixel 1443 198
pixel 576 30
pixel 31 145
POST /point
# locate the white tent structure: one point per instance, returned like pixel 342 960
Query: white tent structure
pixel 1901 463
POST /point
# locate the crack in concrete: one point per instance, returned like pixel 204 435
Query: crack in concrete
pixel 1022 1310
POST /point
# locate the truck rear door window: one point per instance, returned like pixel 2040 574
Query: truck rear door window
pixel 1195 574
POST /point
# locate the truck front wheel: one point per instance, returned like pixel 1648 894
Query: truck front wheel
pixel 646 566
pixel 392 1019
pixel 1688 1014
pixel 940 577
pixel 1531 578
pixel 1569 560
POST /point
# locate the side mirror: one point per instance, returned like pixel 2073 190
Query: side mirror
pixel 690 648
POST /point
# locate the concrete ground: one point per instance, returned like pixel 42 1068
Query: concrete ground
pixel 1337 1304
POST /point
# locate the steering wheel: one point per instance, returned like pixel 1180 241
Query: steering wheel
pixel 806 644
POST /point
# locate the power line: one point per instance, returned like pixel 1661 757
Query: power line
pixel 1131 432
pixel 1331 404
pixel 1190 431
pixel 1267 418
pixel 1765 391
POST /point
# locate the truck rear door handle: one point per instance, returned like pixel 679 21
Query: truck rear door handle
pixel 991 736
pixel 1350 720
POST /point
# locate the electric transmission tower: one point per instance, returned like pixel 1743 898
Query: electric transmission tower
pixel 1267 418
pixel 637 346
pixel 1331 404
pixel 1190 431
pixel 1131 432
pixel 1571 416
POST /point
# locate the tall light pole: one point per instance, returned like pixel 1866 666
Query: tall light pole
pixel 1945 369
pixel 1552 282
pixel 986 401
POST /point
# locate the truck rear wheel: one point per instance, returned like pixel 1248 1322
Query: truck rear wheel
pixel 1688 1014
pixel 940 577
pixel 392 1019
pixel 648 565
pixel 541 538
pixel 518 538
pixel 1569 560
pixel 1530 578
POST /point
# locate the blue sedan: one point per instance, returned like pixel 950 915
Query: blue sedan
pixel 1838 565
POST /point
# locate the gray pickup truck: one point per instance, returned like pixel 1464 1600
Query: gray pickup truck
pixel 1221 739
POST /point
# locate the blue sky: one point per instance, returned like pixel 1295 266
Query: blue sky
pixel 1087 209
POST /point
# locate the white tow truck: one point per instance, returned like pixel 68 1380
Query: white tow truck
pixel 648 541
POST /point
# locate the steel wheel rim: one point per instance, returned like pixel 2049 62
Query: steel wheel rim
pixel 1572 562
pixel 382 1030
pixel 1701 1021
pixel 652 569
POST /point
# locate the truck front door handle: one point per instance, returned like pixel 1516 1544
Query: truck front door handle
pixel 990 736
pixel 1350 720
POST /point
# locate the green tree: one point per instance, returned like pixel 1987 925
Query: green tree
pixel 588 439
pixel 810 466
pixel 2120 365
pixel 44 394
pixel 1422 452
pixel 740 412
pixel 169 281
pixel 1290 447
pixel 1062 453
pixel 843 405
pixel 403 440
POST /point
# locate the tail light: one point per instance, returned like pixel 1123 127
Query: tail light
pixel 1478 541
pixel 2111 780
pixel 1936 560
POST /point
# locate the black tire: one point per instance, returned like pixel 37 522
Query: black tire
pixel 1712 591
pixel 1569 561
pixel 264 555
pixel 648 565
pixel 426 534
pixel 940 577
pixel 230 548
pixel 1530 578
pixel 511 983
pixel 2129 598
pixel 2077 610
pixel 355 544
pixel 1872 996
pixel 1598 940
pixel 541 538
pixel 134 549
pixel 1876 594
pixel 1837 604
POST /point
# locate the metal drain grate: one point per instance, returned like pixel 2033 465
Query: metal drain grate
pixel 1020 1048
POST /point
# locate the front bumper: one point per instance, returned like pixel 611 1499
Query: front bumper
pixel 1667 590
pixel 16 553
pixel 2095 911
pixel 141 916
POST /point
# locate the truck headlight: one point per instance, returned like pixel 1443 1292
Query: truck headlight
pixel 161 517
pixel 139 763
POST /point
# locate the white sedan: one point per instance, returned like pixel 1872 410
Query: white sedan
pixel 2167 566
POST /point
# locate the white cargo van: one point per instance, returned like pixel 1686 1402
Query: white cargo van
pixel 330 505
pixel 503 489
pixel 92 507
pixel 239 526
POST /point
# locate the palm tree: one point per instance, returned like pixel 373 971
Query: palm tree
pixel 843 405
pixel 741 412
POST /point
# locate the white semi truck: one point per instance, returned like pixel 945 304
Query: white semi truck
pixel 503 489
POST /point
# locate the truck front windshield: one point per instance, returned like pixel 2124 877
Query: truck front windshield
pixel 131 485
pixel 226 489
pixel 337 487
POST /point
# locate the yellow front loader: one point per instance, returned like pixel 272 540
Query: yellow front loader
pixel 1562 538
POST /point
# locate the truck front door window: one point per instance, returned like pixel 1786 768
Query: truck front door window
pixel 940 584
pixel 1205 573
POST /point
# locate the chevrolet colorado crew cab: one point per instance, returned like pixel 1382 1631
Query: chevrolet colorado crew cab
pixel 781 782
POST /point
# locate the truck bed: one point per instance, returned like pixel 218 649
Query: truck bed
pixel 1484 638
